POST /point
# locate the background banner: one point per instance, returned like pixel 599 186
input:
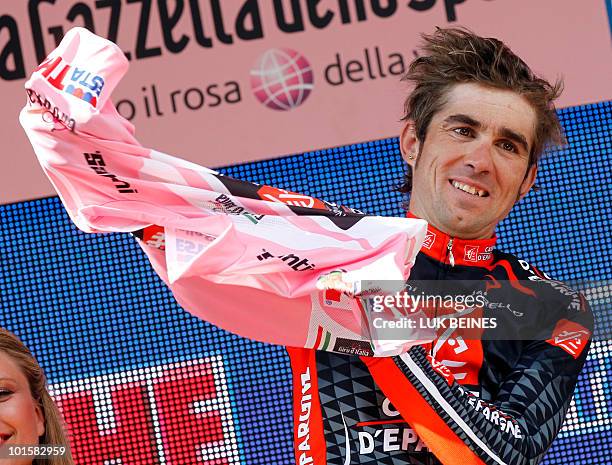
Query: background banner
pixel 226 82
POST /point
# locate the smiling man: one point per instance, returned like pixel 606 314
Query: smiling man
pixel 476 124
pixel 478 160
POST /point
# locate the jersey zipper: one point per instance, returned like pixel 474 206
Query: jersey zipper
pixel 442 271
pixel 451 257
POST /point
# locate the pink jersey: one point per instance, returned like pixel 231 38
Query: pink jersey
pixel 261 262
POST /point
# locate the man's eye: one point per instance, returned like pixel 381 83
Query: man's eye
pixel 508 146
pixel 463 131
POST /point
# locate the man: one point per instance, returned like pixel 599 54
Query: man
pixel 475 126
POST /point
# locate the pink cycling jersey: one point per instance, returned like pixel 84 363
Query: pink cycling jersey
pixel 261 262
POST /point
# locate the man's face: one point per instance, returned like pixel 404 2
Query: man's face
pixel 472 167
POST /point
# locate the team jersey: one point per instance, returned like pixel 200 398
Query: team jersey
pixel 498 399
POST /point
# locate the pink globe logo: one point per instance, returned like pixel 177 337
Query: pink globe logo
pixel 281 79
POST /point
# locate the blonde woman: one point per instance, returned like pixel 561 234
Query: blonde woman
pixel 28 415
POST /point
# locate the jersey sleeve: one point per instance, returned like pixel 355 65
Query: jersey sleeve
pixel 518 426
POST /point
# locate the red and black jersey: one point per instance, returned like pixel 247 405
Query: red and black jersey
pixel 456 401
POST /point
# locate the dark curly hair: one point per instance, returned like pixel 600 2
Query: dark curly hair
pixel 457 55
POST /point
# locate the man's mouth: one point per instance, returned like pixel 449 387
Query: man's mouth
pixel 468 188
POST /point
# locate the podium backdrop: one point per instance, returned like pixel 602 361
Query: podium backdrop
pixel 141 381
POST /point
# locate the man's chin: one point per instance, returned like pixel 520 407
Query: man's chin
pixel 466 225
pixel 456 219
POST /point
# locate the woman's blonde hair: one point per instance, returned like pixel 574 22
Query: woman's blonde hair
pixel 55 433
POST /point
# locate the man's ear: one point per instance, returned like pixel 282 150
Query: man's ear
pixel 528 182
pixel 409 143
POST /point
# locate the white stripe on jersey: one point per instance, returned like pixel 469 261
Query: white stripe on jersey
pixel 433 390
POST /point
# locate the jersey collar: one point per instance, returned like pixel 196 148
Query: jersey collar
pixel 456 251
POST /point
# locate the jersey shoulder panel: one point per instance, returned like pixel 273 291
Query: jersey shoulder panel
pixel 518 268
pixel 553 296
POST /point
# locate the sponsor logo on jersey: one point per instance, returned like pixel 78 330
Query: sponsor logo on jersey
pixel 486 254
pixel 430 238
pixel 441 369
pixel 273 194
pixel 341 210
pixel 98 165
pixel 50 110
pixel 390 439
pixel 471 253
pixel 303 429
pixel 154 236
pixel 505 423
pixel 535 274
pixel 226 205
pixel 292 260
pixel 186 248
pixel 570 336
pixel 578 302
pixel 74 80
pixel 353 347
pixel 388 434
pixel 462 357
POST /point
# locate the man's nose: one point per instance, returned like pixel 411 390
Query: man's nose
pixel 480 157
